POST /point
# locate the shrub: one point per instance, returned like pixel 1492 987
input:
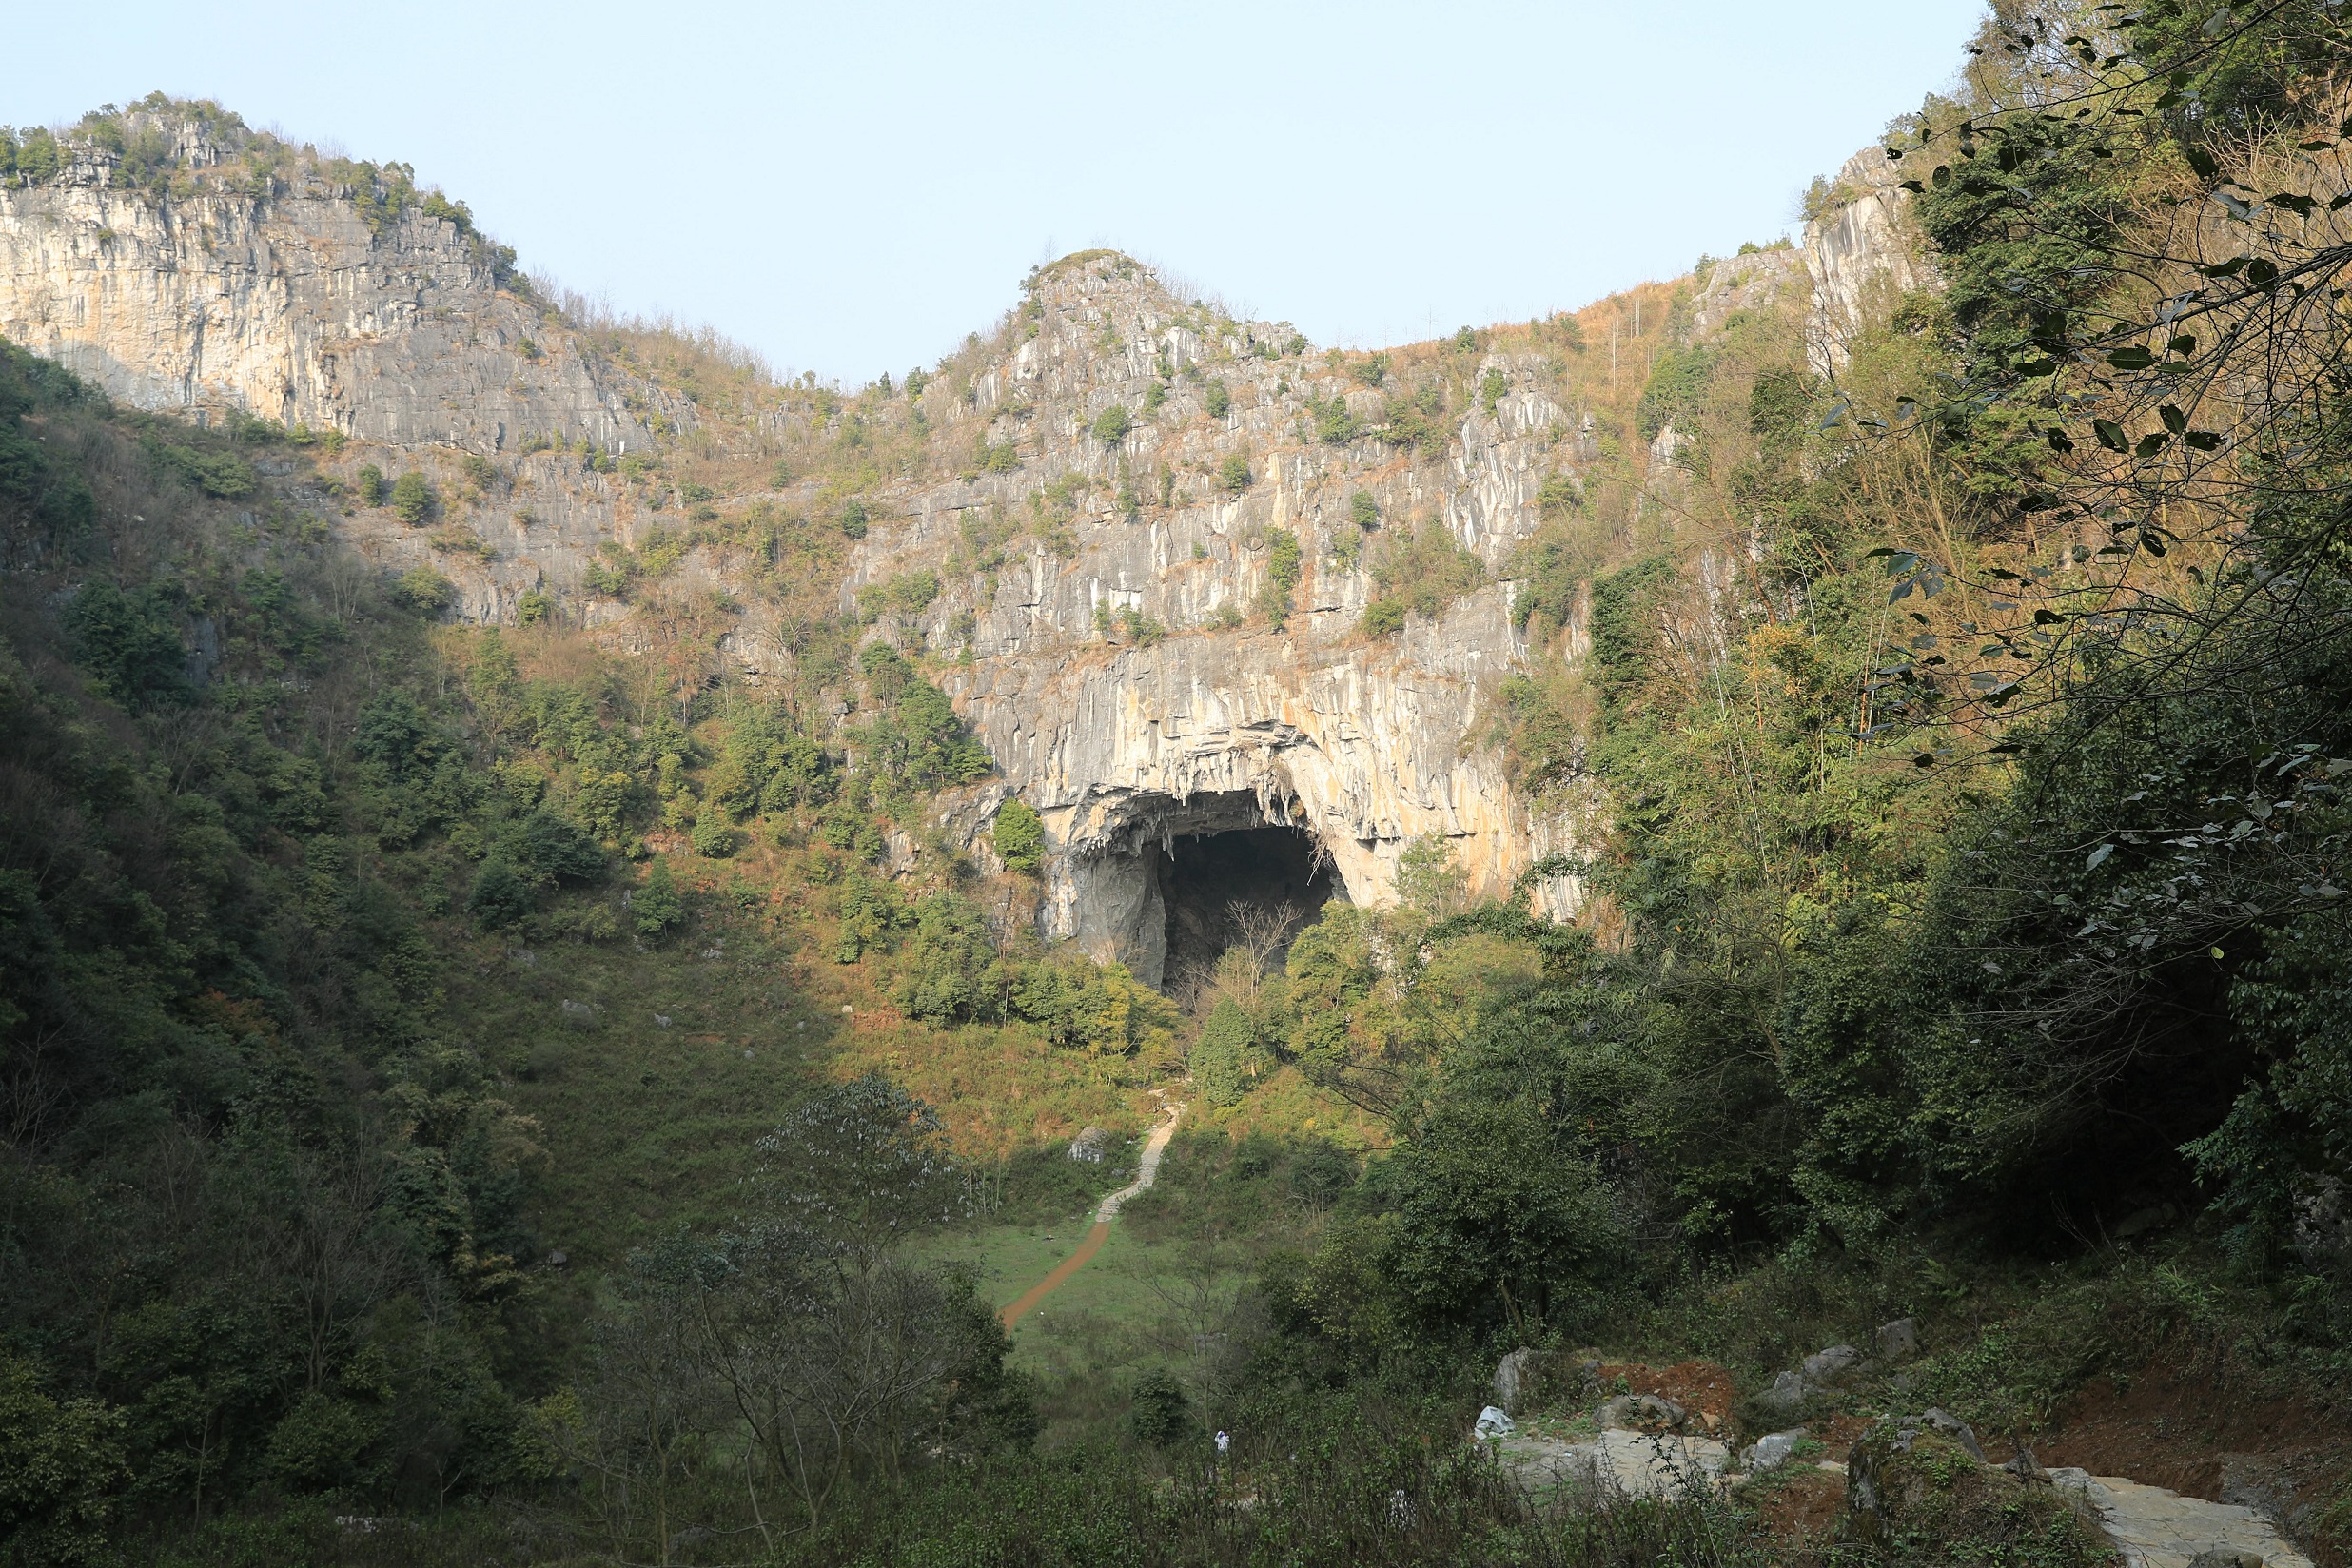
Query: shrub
pixel 1161 1412
pixel 1558 496
pixel 1220 1059
pixel 1112 424
pixel 998 457
pixel 479 471
pixel 854 519
pixel 1383 617
pixel 502 897
pixel 371 486
pixel 1217 400
pixel 1154 396
pixel 534 607
pixel 656 908
pixel 1364 511
pixel 713 837
pixel 424 590
pixel 1491 389
pixel 412 499
pixel 1020 837
pixel 1234 473
pixel 129 644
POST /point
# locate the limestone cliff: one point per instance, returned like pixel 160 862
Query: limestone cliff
pixel 1102 608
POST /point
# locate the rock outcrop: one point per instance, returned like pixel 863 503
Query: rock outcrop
pixel 1118 610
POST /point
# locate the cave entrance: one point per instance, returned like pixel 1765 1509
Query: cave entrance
pixel 1243 887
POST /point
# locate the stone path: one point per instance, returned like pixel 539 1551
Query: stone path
pixel 2154 1528
pixel 1147 1172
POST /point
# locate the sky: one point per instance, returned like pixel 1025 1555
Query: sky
pixel 850 188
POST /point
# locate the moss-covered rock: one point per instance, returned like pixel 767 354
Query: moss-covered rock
pixel 1916 1495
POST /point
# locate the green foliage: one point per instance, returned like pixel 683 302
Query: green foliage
pixel 502 897
pixel 61 1462
pixel 1019 837
pixel 1216 399
pixel 853 518
pixel 1383 617
pixel 412 499
pixel 1161 1412
pixel 1220 1058
pixel 222 474
pixel 1284 563
pixel 1364 511
pixel 1676 383
pixel 1111 425
pixel 916 742
pixel 656 905
pixel 1491 387
pixel 370 486
pixel 423 591
pixel 1424 571
pixel 1233 473
pixel 129 643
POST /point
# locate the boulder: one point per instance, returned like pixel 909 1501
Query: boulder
pixel 1642 1413
pixel 1772 1451
pixel 1518 1377
pixel 1785 1400
pixel 1830 1368
pixel 1494 1423
pixel 1898 1341
pixel 1093 1145
pixel 1918 1491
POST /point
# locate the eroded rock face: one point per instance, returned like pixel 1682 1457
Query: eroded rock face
pixel 1114 653
pixel 288 305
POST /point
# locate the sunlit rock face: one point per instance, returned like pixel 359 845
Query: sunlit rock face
pixel 1111 644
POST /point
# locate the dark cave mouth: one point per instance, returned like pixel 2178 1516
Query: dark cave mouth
pixel 1224 889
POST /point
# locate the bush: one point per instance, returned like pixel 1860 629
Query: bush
pixel 1217 400
pixel 656 908
pixel 129 643
pixel 502 897
pixel 1112 424
pixel 534 607
pixel 853 518
pixel 1383 617
pixel 1020 837
pixel 713 837
pixel 371 486
pixel 1491 389
pixel 1364 511
pixel 1154 396
pixel 1161 1412
pixel 424 590
pixel 412 499
pixel 1221 1057
pixel 1234 473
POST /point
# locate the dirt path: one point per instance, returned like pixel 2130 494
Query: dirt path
pixel 1147 1171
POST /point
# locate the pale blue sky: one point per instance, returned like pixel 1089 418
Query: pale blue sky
pixel 851 187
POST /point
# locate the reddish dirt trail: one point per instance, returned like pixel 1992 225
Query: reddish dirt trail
pixel 1148 1172
pixel 1063 1270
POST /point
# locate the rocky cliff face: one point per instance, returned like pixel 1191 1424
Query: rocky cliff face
pixel 1128 743
pixel 278 297
pixel 1101 614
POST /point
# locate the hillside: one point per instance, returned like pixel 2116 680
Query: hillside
pixel 1774 843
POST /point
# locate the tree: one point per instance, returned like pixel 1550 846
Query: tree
pixel 369 485
pixel 656 908
pixel 60 1462
pixel 1020 836
pixel 129 643
pixel 412 499
pixel 1112 424
pixel 1217 400
pixel 1219 1058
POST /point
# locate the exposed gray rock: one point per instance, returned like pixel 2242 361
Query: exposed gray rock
pixel 1898 1341
pixel 1517 1376
pixel 1785 1400
pixel 1093 1144
pixel 1772 1451
pixel 1827 1368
